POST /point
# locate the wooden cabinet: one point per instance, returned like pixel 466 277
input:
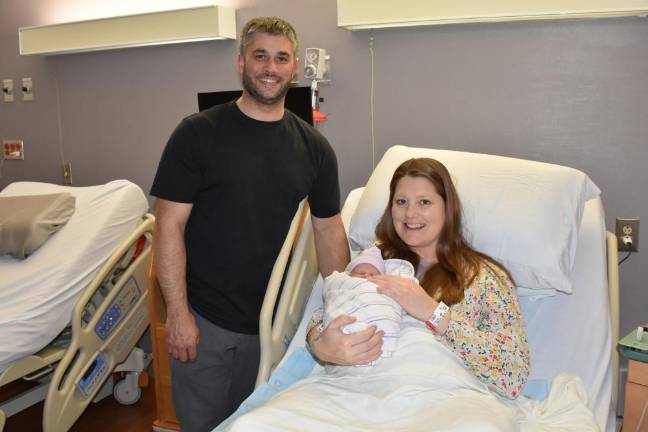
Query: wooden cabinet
pixel 636 397
pixel 166 419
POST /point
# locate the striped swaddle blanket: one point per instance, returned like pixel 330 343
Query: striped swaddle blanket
pixel 357 297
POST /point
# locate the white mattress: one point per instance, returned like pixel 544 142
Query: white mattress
pixel 37 294
pixel 567 333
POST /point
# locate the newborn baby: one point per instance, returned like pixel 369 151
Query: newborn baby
pixel 349 293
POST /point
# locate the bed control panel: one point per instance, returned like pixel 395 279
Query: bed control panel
pixel 93 376
pixel 123 303
pixel 111 281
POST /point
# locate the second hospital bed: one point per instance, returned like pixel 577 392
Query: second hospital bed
pixel 570 334
pixel 75 308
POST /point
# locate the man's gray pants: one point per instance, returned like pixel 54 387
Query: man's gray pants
pixel 206 391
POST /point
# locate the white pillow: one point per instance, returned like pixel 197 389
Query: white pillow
pixel 524 214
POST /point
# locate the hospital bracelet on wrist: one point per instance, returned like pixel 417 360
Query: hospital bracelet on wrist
pixel 318 331
pixel 319 328
pixel 316 322
pixel 438 314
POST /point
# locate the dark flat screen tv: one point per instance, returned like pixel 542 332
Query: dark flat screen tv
pixel 298 100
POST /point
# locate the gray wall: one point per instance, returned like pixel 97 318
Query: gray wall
pixel 567 92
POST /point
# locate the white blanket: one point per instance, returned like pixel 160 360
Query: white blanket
pixel 422 387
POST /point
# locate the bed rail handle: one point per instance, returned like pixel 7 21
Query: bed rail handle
pixel 88 351
pixel 272 291
pixel 613 292
pixel 144 228
pixel 39 374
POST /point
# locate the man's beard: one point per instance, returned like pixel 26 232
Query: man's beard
pixel 255 92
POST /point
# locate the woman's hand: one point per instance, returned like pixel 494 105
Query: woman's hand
pixel 333 346
pixel 408 293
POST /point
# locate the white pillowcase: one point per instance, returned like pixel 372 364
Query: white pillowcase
pixel 525 214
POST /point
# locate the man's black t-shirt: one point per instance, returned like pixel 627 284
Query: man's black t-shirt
pixel 245 179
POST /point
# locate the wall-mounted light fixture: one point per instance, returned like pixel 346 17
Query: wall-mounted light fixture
pixel 156 28
pixel 370 14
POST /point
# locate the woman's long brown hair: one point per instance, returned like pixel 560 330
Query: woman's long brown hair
pixel 457 262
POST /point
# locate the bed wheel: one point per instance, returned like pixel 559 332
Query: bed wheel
pixel 125 393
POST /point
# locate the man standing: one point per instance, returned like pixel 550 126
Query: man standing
pixel 228 185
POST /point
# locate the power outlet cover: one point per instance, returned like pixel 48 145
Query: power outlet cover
pixel 13 149
pixel 628 227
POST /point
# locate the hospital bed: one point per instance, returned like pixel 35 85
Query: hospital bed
pixel 73 310
pixel 569 334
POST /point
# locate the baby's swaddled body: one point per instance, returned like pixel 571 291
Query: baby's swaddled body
pixel 345 294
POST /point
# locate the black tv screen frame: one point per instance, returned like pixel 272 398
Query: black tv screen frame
pixel 298 100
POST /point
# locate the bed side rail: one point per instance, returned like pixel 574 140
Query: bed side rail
pixel 613 291
pixel 107 321
pixel 299 279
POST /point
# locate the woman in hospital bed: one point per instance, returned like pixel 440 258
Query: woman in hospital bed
pixel 448 359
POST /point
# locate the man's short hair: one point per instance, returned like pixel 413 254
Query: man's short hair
pixel 271 25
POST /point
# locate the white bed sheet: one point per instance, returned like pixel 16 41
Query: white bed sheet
pixel 572 333
pixel 37 295
pixel 567 333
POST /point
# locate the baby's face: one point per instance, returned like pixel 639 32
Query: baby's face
pixel 364 270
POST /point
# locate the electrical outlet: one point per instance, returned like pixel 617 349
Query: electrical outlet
pixel 67 173
pixel 627 232
pixel 13 149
